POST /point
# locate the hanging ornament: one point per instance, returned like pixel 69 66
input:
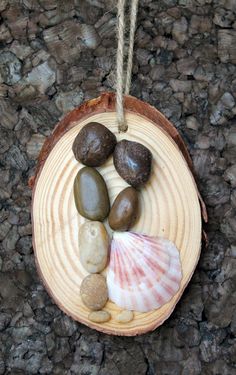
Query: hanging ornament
pixel 163 206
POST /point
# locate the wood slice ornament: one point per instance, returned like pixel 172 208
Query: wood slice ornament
pixel 171 206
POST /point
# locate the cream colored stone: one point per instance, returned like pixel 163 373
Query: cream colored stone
pixel 93 245
pixel 125 316
pixel 99 316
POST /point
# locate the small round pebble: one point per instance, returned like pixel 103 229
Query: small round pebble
pixel 125 316
pixel 93 291
pixel 99 316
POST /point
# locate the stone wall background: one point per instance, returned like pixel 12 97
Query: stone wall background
pixel 55 54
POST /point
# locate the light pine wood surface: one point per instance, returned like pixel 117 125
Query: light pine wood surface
pixel 169 208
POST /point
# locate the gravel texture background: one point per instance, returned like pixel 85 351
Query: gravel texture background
pixel 55 54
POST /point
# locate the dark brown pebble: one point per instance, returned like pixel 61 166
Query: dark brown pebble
pixel 93 144
pixel 132 161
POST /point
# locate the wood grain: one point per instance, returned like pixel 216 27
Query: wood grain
pixel 169 206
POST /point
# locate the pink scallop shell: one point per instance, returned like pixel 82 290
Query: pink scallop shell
pixel 144 272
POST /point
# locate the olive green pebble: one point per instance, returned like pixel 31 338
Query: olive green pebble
pixel 91 195
pixel 99 316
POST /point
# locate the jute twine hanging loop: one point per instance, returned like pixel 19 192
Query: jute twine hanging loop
pixel 122 125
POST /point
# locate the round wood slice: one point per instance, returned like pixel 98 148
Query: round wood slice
pixel 169 206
